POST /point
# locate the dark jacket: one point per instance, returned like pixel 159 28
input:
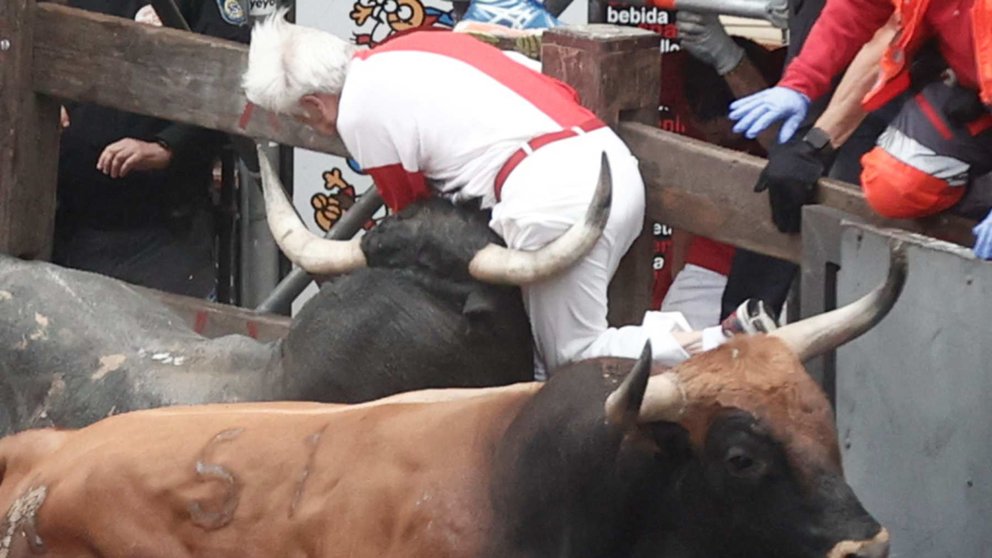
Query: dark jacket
pixel 87 197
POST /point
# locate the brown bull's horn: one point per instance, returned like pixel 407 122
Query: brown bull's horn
pixel 819 334
pixel 664 399
pixel 624 404
pixel 648 398
pixel 495 264
pixel 314 254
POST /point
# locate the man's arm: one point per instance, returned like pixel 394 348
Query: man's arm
pixel 222 20
pixel 840 32
pixel 845 113
pixel 794 168
pixel 843 28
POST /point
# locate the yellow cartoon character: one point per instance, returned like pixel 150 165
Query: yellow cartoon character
pixel 327 208
pixel 385 17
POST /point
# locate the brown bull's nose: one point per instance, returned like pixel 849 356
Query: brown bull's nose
pixel 877 547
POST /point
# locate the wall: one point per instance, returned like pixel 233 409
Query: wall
pixel 913 410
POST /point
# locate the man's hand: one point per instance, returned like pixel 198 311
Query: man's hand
pixel 983 238
pixel 705 38
pixel 148 16
pixel 790 178
pixel 121 157
pixel 64 117
pixel 764 108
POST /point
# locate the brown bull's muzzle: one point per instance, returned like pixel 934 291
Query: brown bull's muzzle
pixel 878 547
pixel 496 264
pixel 316 255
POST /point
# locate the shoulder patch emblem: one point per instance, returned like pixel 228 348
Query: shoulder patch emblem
pixel 233 12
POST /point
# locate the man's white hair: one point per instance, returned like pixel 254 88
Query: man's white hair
pixel 287 61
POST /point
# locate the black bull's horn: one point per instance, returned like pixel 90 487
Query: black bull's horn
pixel 665 400
pixel 492 264
pixel 316 255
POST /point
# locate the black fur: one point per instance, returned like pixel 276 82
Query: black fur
pixel 415 319
pixel 569 484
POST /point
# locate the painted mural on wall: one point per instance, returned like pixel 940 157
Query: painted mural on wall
pixel 338 196
pixel 376 20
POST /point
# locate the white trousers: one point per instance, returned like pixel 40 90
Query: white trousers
pixel 544 195
pixel 697 293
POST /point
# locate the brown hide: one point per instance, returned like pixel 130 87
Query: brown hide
pixel 394 478
pixel 759 374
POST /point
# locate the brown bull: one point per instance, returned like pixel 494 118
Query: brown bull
pixel 732 454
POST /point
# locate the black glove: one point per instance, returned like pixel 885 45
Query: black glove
pixel 790 178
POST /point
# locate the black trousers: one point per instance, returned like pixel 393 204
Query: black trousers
pixel 176 257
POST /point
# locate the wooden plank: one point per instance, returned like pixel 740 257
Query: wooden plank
pixel 171 74
pixel 707 190
pixel 29 141
pixel 216 320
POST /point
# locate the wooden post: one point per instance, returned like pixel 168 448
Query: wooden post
pixel 616 70
pixel 29 141
pixel 617 73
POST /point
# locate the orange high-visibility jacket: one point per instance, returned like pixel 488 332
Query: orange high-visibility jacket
pixel 845 26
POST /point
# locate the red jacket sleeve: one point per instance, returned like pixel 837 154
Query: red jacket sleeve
pixel 398 186
pixel 844 26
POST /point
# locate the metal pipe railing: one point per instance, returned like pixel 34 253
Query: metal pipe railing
pixel 775 12
pixel 282 296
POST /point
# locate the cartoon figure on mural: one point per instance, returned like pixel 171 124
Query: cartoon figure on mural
pixel 382 18
pixel 340 196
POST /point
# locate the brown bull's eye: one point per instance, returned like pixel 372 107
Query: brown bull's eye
pixel 741 464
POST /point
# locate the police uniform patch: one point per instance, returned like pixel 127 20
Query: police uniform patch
pixel 233 12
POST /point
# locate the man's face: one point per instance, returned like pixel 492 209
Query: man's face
pixel 320 112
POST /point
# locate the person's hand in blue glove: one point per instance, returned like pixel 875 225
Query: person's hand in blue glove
pixel 983 238
pixel 756 112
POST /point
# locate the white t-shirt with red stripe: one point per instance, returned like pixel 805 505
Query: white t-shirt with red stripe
pixel 443 111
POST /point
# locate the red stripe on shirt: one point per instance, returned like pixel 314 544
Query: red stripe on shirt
pixel 938 123
pixel 552 97
pixel 983 123
pixel 398 186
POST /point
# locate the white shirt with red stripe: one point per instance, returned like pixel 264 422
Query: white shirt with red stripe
pixel 443 111
pixel 440 112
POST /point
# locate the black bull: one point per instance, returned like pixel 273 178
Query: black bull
pixel 731 454
pixel 76 347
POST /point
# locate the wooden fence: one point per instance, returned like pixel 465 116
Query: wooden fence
pixel 50 52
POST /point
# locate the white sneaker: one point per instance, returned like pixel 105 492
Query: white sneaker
pixel 750 317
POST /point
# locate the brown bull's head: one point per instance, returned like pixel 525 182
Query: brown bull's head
pixel 491 264
pixel 763 431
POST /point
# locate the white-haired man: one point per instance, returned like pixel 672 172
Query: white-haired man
pixel 436 112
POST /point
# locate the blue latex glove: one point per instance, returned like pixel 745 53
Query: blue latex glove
pixel 983 238
pixel 759 111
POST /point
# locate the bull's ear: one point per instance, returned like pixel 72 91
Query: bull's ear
pixel 624 405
